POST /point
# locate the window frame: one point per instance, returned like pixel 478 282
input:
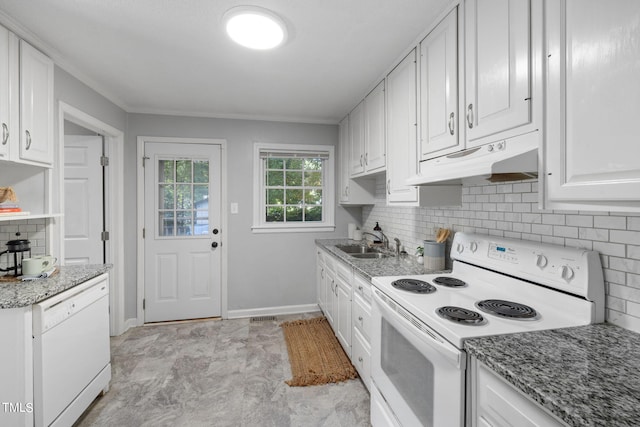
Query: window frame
pixel 260 225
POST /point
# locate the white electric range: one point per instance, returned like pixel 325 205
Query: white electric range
pixel 496 286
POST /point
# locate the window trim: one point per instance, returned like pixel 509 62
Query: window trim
pixel 328 190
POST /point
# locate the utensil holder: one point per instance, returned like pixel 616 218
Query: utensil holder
pixel 434 258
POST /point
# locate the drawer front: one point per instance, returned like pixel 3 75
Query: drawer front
pixel 362 287
pixel 362 316
pixel 361 357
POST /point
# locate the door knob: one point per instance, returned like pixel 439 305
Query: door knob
pixel 215 231
pixel 214 244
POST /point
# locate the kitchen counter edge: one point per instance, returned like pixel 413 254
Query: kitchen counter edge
pixel 585 376
pixel 22 294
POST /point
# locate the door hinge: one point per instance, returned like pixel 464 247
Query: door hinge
pixel 143 232
pixel 144 303
pixel 104 236
pixel 144 158
pixel 104 161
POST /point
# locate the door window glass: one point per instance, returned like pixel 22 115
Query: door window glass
pixel 183 197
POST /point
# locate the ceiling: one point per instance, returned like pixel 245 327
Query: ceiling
pixel 172 56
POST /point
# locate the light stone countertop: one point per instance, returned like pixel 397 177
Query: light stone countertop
pixel 586 376
pixel 22 294
pixel 391 266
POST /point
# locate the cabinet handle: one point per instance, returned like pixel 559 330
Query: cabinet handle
pixel 28 139
pixel 389 186
pixel 470 116
pixel 346 191
pixel 360 288
pixel 322 273
pixel 360 359
pixel 5 134
pixel 366 158
pixel 360 318
pixel 361 160
pixel 451 123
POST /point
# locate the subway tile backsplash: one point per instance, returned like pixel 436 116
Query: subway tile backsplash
pixel 33 230
pixel 511 210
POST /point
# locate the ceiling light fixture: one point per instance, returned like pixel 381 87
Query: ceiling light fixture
pixel 255 27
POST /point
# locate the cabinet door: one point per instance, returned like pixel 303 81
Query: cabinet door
pixel 356 138
pixel 593 99
pixel 402 130
pixel 36 106
pixel 321 275
pixel 497 67
pixel 330 302
pixel 375 146
pixel 344 173
pixel 343 314
pixel 439 89
pixel 4 94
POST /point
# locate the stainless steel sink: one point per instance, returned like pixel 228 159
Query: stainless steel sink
pixel 370 255
pixel 356 249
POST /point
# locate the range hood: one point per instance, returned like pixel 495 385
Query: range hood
pixel 505 160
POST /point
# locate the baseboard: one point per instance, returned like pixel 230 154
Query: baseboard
pixel 272 311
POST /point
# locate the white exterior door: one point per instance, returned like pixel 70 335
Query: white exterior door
pixel 182 216
pixel 83 200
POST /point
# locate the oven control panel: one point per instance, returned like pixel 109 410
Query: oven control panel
pixel 571 270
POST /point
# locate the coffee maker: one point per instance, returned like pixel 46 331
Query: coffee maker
pixel 17 248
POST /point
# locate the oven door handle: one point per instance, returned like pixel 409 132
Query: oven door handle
pixel 395 311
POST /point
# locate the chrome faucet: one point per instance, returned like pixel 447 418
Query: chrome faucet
pixel 385 239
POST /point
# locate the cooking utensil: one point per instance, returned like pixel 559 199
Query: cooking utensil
pixel 442 234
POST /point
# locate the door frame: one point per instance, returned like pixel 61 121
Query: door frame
pixel 114 206
pixel 140 215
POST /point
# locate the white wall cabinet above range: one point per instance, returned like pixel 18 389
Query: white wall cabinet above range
pixel 591 148
pixel 367 134
pixel 353 192
pixel 439 118
pixel 26 102
pixel 498 68
pixel 402 143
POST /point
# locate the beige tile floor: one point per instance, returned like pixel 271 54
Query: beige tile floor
pixel 217 373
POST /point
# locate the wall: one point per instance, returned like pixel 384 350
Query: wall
pixel 264 270
pixel 511 210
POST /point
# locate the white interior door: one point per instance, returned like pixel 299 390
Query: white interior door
pixel 182 214
pixel 83 200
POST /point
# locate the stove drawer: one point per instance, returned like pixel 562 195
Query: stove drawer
pixel 362 316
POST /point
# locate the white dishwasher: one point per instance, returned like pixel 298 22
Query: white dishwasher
pixel 71 353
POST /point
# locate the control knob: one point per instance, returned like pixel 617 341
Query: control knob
pixel 460 248
pixel 567 273
pixel 541 261
pixel 473 246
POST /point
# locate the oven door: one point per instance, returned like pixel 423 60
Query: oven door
pixel 419 376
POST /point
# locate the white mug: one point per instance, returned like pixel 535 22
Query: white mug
pixel 37 265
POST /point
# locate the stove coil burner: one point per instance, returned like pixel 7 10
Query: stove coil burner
pixel 461 315
pixel 508 309
pixel 450 282
pixel 414 285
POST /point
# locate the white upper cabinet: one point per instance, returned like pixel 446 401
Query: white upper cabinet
pixel 5 100
pixel 26 102
pixel 402 143
pixel 366 128
pixel 375 146
pixel 497 68
pixel 351 192
pixel 439 116
pixel 591 151
pixel 36 106
pixel 356 140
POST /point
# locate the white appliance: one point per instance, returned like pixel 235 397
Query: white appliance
pixel 72 357
pixel 496 286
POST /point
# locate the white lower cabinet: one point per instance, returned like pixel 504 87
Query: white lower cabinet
pixel 345 299
pixel 496 403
